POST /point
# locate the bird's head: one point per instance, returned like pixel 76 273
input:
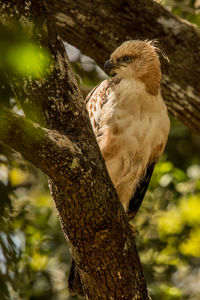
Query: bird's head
pixel 138 60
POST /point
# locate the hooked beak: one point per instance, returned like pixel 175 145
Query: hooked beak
pixel 109 68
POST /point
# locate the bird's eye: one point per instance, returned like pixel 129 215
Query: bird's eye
pixel 127 58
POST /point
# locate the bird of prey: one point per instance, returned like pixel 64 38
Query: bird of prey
pixel 130 120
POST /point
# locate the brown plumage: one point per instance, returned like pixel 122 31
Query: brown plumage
pixel 130 120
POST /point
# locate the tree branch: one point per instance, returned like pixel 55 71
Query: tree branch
pixel 32 141
pixel 97 28
pixel 91 215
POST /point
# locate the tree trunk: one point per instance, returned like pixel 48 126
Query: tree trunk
pixel 98 27
pixel 60 141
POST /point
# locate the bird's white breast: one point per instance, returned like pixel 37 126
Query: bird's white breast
pixel 135 127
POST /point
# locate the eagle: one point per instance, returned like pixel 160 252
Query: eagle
pixel 130 120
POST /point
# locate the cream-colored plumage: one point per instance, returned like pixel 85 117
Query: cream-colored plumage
pixel 129 118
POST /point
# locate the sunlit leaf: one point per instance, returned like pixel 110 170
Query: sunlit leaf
pixel 190 209
pixel 179 174
pixel 17 176
pixel 171 222
pixel 165 167
pixel 29 59
pixel 38 261
pixel 192 245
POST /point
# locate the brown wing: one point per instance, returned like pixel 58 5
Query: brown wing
pixel 136 200
pixel 95 102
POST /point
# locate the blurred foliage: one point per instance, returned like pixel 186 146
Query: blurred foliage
pixel 33 253
pixel 28 59
pixel 21 54
pixel 186 9
pixel 169 226
pixel 34 258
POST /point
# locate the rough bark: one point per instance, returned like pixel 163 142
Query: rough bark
pixel 98 27
pixel 90 213
pixel 32 141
